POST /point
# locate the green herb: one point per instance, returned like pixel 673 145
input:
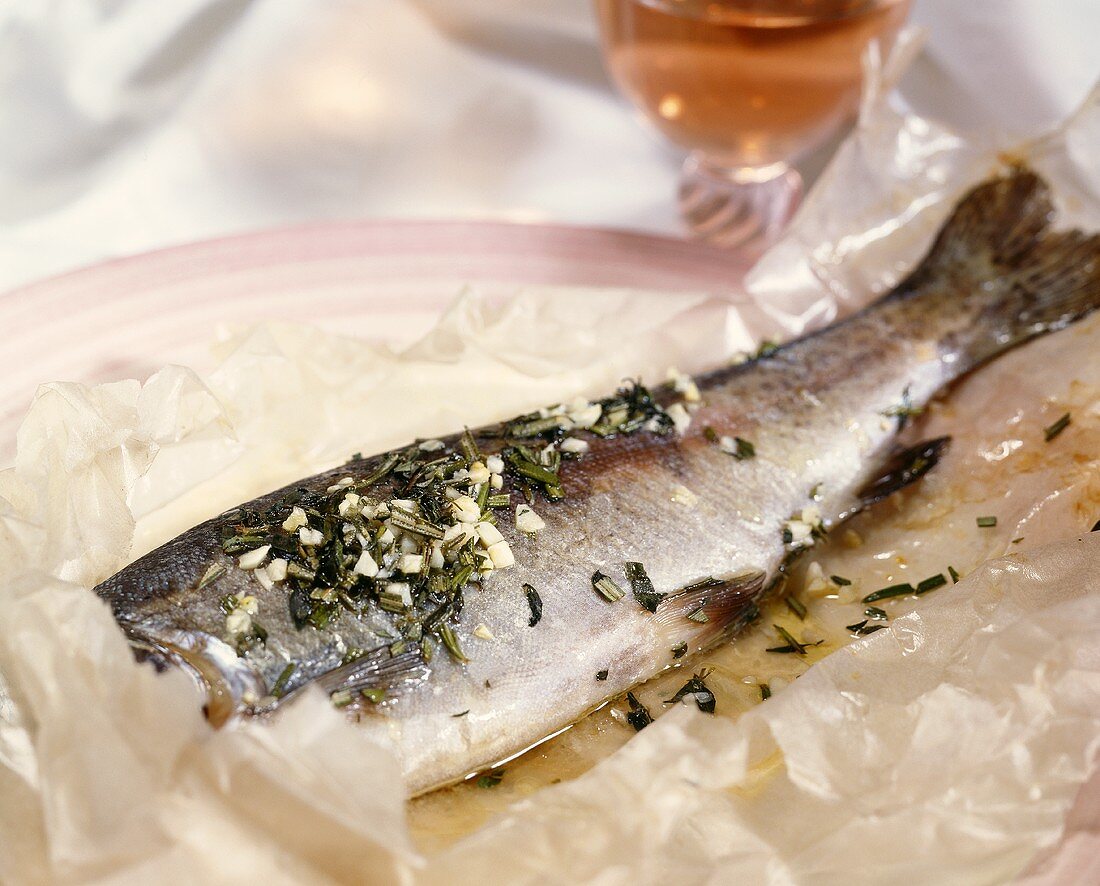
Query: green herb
pixel 796 606
pixel 904 410
pixel 607 588
pixel 765 692
pixel 892 591
pixel 227 603
pixel 450 641
pixel 1049 433
pixel 374 696
pixel 954 575
pixel 638 716
pixel 491 779
pixel 461 713
pixel 711 435
pixel 792 645
pixel 864 628
pixel 766 349
pixel 469 447
pixel 840 581
pixel 744 449
pixel 284 677
pixel 876 613
pixel 931 583
pixel 1016 541
pixel 501 500
pixel 698 615
pixel 1095 527
pixel 680 650
pixel 212 574
pixel 341 698
pixel 704 698
pixel 987 522
pixel 642 587
pixel 601 675
pixel 534 601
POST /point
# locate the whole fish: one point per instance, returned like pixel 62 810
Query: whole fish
pixel 470 596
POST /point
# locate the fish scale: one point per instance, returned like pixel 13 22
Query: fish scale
pixel 822 414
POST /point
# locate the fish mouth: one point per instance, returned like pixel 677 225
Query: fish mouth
pixel 230 687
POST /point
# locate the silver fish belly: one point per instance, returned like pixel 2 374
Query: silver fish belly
pixel 406 586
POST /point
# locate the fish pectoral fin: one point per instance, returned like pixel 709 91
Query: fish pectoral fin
pixel 378 669
pixel 903 469
pixel 703 613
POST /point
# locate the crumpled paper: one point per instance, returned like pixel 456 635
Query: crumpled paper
pixel 946 749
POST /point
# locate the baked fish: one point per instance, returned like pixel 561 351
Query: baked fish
pixel 467 597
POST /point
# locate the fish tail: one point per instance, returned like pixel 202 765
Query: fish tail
pixel 1007 274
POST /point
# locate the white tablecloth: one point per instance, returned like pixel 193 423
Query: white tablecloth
pixel 126 125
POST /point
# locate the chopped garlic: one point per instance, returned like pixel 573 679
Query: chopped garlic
pixel 249 604
pixel 811 515
pixel 296 519
pixel 479 473
pixel 684 384
pixel 584 414
pixel 342 483
pixel 574 444
pixel 489 534
pixel 527 520
pixel 400 589
pixel 456 529
pixel 495 464
pixel 409 545
pixel 482 632
pixel 683 496
pixel 410 564
pixel 238 622
pixel 437 560
pixel 252 559
pixel 680 418
pixel 311 538
pixel 276 569
pixel 432 445
pixel 405 505
pixel 496 481
pixel 815 583
pixel 800 532
pixel 264 579
pixel 465 509
pixel 501 555
pixel 350 502
pixel 386 539
pixel 365 565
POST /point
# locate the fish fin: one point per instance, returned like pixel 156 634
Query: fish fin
pixel 377 669
pixel 906 467
pixel 1014 277
pixel 702 614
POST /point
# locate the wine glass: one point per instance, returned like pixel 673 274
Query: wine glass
pixel 747 87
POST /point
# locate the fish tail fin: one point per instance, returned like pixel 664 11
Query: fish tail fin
pixel 1016 277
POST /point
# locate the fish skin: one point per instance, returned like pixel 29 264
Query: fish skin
pixel 818 412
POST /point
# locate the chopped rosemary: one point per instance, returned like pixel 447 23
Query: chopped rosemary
pixel 744 450
pixel 698 615
pixel 904 410
pixel 501 500
pixel 461 713
pixel 840 581
pixel 212 574
pixel 711 435
pixel 1095 527
pixel 1016 541
pixel 607 588
pixel 796 606
pixel 374 696
pixel 642 587
pixel 491 779
pixel 954 575
pixel 876 613
pixel 680 650
pixel 450 641
pixel 601 675
pixel 863 628
pixel 638 716
pixel 1052 431
pixel 534 601
pixel 284 677
pixel 892 591
pixel 766 349
pixel 765 692
pixel 986 522
pixel 704 698
pixel 931 583
pixel 792 645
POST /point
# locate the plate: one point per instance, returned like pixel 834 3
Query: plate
pixel 379 280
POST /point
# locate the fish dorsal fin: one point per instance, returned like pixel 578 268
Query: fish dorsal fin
pixel 707 611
